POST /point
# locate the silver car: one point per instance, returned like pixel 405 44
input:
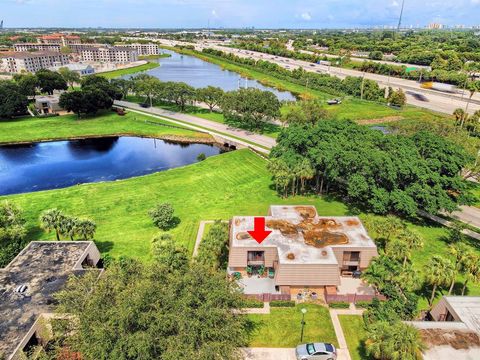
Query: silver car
pixel 316 351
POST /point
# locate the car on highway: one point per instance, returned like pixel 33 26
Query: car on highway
pixel 316 351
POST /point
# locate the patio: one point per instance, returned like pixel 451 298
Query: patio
pixel 350 285
pixel 256 285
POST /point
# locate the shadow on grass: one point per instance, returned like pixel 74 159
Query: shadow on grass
pixel 104 246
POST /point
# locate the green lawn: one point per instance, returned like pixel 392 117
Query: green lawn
pixel 152 57
pixel 222 186
pixel 132 70
pixel 108 123
pixel 476 192
pixel 235 183
pixel 282 327
pixel 355 333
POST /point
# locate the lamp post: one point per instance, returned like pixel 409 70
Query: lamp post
pixel 304 311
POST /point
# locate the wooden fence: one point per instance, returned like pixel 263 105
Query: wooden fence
pixel 351 298
pixel 268 297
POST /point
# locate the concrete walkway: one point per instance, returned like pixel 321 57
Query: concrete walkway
pixel 343 353
pixel 449 224
pixel 203 125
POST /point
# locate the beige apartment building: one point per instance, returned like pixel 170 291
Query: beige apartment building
pixel 113 54
pixel 24 61
pixel 144 49
pixel 304 250
pixel 60 39
pixel 36 47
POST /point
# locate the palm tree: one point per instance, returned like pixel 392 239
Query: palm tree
pixel 85 228
pixel 51 220
pixel 439 271
pixel 68 226
pixel 460 115
pixel 460 252
pixel 413 240
pixel 470 267
pixel 305 172
pixel 397 341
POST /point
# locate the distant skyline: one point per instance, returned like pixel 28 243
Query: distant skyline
pixel 236 13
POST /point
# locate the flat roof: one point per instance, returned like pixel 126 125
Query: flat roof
pixel 468 310
pixel 301 235
pixel 44 268
pixel 29 54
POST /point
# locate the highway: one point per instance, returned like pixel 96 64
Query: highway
pixel 424 98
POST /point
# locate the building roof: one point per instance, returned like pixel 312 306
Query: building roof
pixel 59 36
pixel 467 309
pixel 301 236
pixel 29 54
pixel 44 268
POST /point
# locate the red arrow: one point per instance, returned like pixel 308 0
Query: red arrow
pixel 259 233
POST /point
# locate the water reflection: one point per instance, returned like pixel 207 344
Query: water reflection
pixel 199 73
pixel 60 164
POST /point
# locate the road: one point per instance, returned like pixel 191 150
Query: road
pixel 424 98
pixel 469 215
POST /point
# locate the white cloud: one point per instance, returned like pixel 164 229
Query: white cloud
pixel 214 13
pixel 306 16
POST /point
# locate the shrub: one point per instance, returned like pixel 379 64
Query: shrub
pixel 339 305
pixel 162 216
pixel 282 303
pixel 201 157
pixel 363 304
pixel 252 303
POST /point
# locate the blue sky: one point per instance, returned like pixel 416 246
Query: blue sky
pixel 235 13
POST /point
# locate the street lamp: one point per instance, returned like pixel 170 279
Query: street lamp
pixel 304 311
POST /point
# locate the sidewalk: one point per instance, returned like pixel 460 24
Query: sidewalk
pixel 342 349
pixel 201 124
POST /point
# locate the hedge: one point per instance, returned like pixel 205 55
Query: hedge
pixel 363 304
pixel 252 303
pixel 339 305
pixel 282 303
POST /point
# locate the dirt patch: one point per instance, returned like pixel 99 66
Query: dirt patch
pixel 454 338
pixel 384 120
pixel 306 212
pixel 243 236
pixel 318 234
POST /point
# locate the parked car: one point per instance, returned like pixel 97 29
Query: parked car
pixel 334 102
pixel 316 351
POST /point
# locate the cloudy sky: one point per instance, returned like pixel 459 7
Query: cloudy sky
pixel 235 13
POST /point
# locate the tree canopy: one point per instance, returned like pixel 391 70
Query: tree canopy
pixel 250 108
pixel 140 311
pixel 381 173
pixel 12 101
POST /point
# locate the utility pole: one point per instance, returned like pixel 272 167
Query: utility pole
pixel 303 323
pixel 400 18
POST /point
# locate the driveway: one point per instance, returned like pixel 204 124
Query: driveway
pixel 268 354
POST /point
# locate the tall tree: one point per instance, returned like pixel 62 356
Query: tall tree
pixel 210 95
pixel 140 311
pixel 51 220
pixel 70 76
pixel 12 231
pixel 12 101
pixel 48 81
pixel 250 108
pixel 439 271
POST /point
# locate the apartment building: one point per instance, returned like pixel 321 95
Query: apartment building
pixel 36 47
pixel 113 54
pixel 144 49
pixel 24 61
pixel 60 39
pixel 28 285
pixel 303 250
